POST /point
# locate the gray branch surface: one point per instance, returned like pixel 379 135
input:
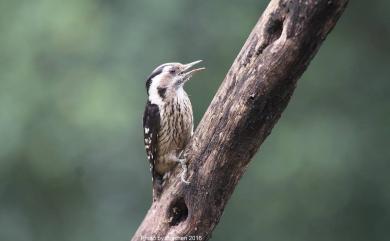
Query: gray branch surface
pixel 249 102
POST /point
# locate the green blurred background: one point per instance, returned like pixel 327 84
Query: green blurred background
pixel 72 161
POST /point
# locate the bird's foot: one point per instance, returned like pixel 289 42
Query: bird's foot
pixel 183 163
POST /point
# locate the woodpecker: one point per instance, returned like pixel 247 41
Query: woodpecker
pixel 168 120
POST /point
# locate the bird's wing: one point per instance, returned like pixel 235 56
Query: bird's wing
pixel 151 122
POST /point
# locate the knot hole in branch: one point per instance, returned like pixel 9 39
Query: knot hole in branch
pixel 274 28
pixel 177 211
pixel 273 31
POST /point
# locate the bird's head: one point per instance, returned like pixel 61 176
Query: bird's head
pixel 170 76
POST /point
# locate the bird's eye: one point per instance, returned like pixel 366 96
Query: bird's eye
pixel 172 71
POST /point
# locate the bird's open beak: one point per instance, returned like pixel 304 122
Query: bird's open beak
pixel 186 73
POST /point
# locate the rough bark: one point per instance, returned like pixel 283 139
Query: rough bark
pixel 242 114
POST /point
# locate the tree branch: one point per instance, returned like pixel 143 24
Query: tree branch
pixel 242 114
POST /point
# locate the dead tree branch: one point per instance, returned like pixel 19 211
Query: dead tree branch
pixel 242 114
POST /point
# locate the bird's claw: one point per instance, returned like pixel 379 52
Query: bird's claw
pixel 183 163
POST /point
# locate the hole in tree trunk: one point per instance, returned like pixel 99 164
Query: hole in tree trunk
pixel 177 212
pixel 274 29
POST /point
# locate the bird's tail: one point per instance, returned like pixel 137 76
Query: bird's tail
pixel 157 186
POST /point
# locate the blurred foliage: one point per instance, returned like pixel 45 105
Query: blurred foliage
pixel 72 161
